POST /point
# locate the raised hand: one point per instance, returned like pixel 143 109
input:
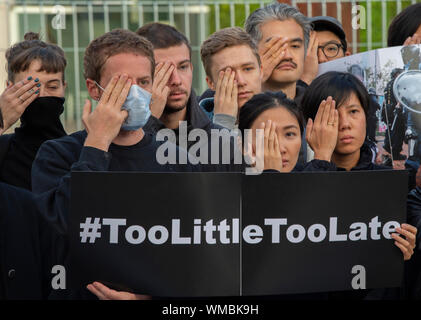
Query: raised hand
pixel 272 154
pixel 160 90
pixel 272 54
pixel 415 39
pixel 226 94
pixel 15 99
pixel 104 123
pixel 311 62
pixel 322 134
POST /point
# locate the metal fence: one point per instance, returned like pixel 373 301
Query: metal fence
pixel 73 24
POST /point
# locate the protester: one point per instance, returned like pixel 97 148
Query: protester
pixel 233 71
pixel 331 38
pixel 114 139
pixel 405 28
pixel 282 123
pixel 174 99
pixel 282 34
pixel 336 131
pixel 35 94
pixel 175 105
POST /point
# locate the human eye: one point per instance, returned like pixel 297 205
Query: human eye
pixel 290 134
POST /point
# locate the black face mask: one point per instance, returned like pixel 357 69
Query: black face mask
pixel 43 113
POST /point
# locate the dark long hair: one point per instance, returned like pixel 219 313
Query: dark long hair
pixel 265 101
pixel 404 25
pixel 338 85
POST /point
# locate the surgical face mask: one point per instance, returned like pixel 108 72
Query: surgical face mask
pixel 137 105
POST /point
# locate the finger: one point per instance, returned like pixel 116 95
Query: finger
pixel 26 95
pixel 121 83
pixel 30 85
pixel 275 50
pixel 401 240
pixel 230 86
pixel 409 235
pixel 336 118
pixel 268 45
pixel 277 148
pixel 109 89
pixel 234 95
pixel 404 250
pixel 278 58
pixel 123 94
pixel 162 76
pixel 218 84
pixel 110 294
pixel 332 110
pixel 325 116
pixel 318 118
pixel 87 108
pixel 158 67
pixel 409 227
pixel 309 129
pixel 272 135
pixel 18 85
pixel 31 98
pixel 96 292
pixel 166 77
pixel 266 134
pixel 407 41
pixel 225 83
pixel 124 114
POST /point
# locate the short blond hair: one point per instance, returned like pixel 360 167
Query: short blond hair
pixel 225 38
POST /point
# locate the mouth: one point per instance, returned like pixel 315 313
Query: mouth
pixel 286 66
pixel 177 94
pixel 347 139
pixel 285 163
pixel 244 94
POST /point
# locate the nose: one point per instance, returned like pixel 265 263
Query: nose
pixel 175 79
pixel 344 122
pixel 241 81
pixel 287 54
pixel 321 56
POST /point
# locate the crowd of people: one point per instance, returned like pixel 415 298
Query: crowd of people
pixel 262 76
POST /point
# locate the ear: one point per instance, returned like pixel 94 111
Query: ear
pixel 64 85
pixel 93 89
pixel 210 83
pixel 347 54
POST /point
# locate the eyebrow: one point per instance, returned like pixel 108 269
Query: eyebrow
pixel 250 63
pixel 293 126
pixel 143 78
pixel 296 40
pixel 53 80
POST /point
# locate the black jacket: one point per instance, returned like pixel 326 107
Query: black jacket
pixel 26 247
pixel 197 119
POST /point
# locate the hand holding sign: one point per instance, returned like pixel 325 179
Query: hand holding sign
pixel 105 293
pixel 322 134
pixel 407 246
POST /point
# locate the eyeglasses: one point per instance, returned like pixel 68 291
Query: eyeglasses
pixel 331 49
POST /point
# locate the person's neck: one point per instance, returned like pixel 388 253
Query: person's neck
pixel 346 161
pixel 129 138
pixel 171 119
pixel 289 88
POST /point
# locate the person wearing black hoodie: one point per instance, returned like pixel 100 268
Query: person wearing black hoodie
pixel 35 94
pixel 336 131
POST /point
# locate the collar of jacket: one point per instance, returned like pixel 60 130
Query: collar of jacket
pixel 195 115
pixel 365 162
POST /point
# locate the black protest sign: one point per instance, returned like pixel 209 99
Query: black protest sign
pixel 156 250
pixel 225 234
pixel 322 231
